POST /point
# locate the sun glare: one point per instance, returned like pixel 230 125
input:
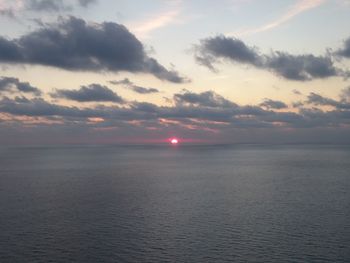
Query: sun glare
pixel 174 141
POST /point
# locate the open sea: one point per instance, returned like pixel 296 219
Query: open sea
pixel 220 203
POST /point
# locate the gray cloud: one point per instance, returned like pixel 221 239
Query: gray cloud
pixel 74 44
pixel 296 92
pixel 125 82
pixel 21 99
pixel 46 5
pixel 130 85
pixel 314 98
pixel 86 3
pixel 317 99
pixel 199 114
pixel 273 104
pixel 345 51
pixel 90 93
pixel 38 107
pixel 142 90
pixel 7 13
pixel 8 84
pixel 232 49
pixel 206 99
pixel 345 94
pixel 301 67
pixel 294 67
pixel 297 104
pixel 9 51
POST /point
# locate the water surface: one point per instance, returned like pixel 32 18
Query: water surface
pixel 175 204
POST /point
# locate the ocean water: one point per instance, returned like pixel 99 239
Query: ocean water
pixel 243 203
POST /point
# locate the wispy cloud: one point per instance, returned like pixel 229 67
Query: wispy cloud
pixel 296 9
pixel 143 29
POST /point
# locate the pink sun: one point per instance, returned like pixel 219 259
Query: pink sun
pixel 174 141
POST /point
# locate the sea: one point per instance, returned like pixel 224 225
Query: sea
pixel 184 203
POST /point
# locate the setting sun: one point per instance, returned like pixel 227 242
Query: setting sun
pixel 174 141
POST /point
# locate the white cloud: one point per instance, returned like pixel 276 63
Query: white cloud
pixel 296 9
pixel 144 28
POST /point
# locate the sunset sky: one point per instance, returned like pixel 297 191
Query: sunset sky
pixel 226 71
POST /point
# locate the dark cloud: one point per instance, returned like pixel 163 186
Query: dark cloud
pixel 301 67
pixel 9 51
pixel 125 82
pixel 317 99
pixel 38 107
pixel 130 85
pixel 90 93
pixel 206 99
pixel 145 107
pixel 46 5
pixel 86 3
pixel 194 113
pixel 21 99
pixel 8 84
pixel 345 94
pixel 293 67
pixel 7 13
pixel 273 104
pixel 345 51
pixel 74 44
pixel 201 116
pixel 232 49
pixel 54 5
pixel 142 90
pixel 297 104
pixel 296 92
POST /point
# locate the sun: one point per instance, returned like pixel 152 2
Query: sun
pixel 174 141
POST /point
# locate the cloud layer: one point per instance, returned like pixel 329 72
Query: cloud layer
pixel 205 114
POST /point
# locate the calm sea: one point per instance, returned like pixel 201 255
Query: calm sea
pixel 175 204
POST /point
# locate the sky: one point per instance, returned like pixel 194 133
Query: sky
pixel 225 71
